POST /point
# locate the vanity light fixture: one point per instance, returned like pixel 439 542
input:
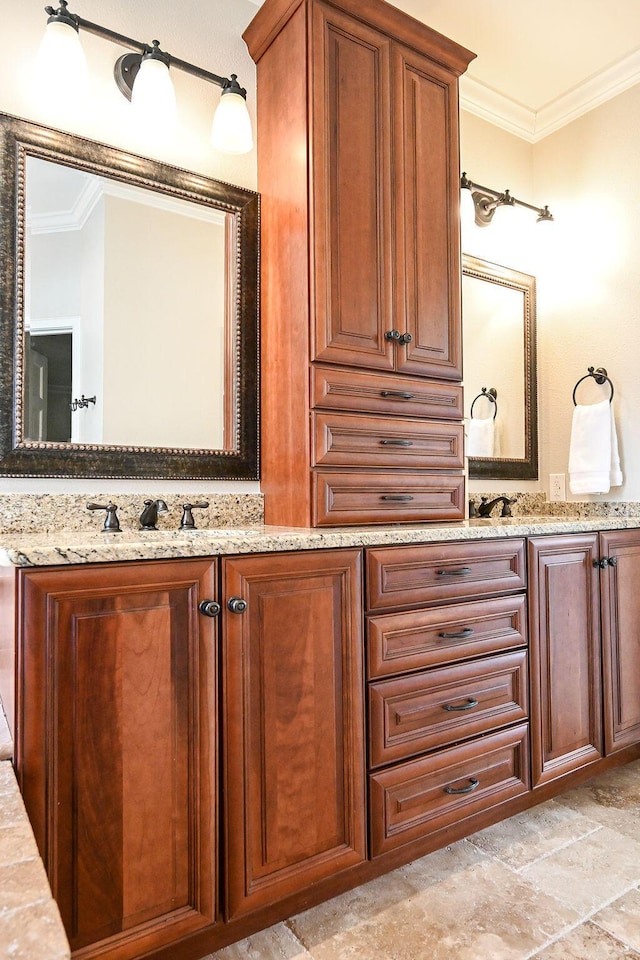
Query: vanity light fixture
pixel 486 201
pixel 143 77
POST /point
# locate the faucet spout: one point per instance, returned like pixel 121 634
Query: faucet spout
pixel 486 506
pixel 149 516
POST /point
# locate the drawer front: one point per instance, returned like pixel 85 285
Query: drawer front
pixel 402 642
pixel 412 800
pixel 363 497
pixel 344 440
pixel 411 576
pixel 334 388
pixel 439 707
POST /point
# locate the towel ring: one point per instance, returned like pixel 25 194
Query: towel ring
pixel 599 375
pixel 490 394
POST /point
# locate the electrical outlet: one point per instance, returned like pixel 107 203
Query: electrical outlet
pixel 557 486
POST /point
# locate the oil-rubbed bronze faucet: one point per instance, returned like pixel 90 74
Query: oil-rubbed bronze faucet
pixel 486 506
pixel 149 516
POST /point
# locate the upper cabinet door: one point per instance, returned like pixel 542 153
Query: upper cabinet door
pixel 352 191
pixel 426 209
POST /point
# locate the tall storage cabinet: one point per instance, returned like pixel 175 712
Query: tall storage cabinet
pixel 359 176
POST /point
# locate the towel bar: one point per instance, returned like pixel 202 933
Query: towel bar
pixel 490 394
pixel 599 375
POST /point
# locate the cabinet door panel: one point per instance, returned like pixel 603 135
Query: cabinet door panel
pixel 564 639
pixel 427 217
pixel 293 703
pixel 620 590
pixel 352 165
pixel 123 679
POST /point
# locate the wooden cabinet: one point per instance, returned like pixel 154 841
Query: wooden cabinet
pixel 359 178
pixel 116 748
pixel 620 591
pixel 448 686
pixel 564 619
pixel 293 723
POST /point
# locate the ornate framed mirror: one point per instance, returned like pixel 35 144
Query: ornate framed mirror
pixel 499 330
pixel 129 314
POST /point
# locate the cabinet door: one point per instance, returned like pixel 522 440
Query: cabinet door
pixel 352 192
pixel 117 757
pixel 620 591
pixel 426 204
pixel 293 706
pixel 564 639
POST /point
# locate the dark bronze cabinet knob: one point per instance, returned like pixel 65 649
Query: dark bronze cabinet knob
pixel 210 608
pixel 236 605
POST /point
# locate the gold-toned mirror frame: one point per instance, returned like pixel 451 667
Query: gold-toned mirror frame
pixel 21 457
pixel 512 468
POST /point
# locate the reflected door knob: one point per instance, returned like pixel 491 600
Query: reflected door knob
pixel 236 605
pixel 210 608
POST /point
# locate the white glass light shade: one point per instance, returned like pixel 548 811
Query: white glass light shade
pixel 231 129
pixel 61 67
pixel 153 97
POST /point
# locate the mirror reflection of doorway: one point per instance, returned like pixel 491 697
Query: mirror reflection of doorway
pixel 48 386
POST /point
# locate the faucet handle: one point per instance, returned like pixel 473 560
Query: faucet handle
pixel 506 506
pixel 187 522
pixel 111 522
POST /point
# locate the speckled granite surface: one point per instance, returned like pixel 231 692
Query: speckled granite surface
pixel 44 513
pixel 24 550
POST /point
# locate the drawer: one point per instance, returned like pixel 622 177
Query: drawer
pixel 415 799
pixel 410 715
pixel 335 388
pixel 401 642
pixel 386 497
pixel 344 440
pixel 414 575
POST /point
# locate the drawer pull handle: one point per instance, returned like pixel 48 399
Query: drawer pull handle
pixel 456 572
pixel 471 786
pixel 459 635
pixel 397 394
pixel 397 443
pixel 469 704
pixel 401 497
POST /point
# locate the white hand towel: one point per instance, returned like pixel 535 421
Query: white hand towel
pixel 480 437
pixel 594 464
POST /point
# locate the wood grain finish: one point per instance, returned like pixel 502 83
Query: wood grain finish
pixel 411 800
pixel 620 593
pixel 336 388
pixel 343 440
pixel 403 642
pixel 427 217
pixel 294 716
pixel 564 623
pixel 439 707
pixel 117 749
pixel 368 497
pixel 412 576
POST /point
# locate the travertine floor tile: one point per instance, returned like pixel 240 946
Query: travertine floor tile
pixel 612 799
pixel 34 932
pixel 525 838
pixel 276 943
pixel 590 872
pixel 484 911
pixel 17 843
pixel 22 883
pixel 587 942
pixel 622 919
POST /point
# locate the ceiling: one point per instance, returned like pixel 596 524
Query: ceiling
pixel 540 63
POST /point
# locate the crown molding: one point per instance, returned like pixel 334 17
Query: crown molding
pixel 535 125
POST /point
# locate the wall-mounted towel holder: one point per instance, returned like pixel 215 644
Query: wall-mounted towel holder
pixel 599 374
pixel 492 395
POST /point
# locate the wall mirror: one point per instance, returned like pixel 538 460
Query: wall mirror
pixel 499 329
pixel 129 314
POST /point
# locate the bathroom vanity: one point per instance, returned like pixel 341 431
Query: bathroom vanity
pixel 244 724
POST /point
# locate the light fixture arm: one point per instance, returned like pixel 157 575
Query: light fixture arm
pixel 487 200
pixel 127 66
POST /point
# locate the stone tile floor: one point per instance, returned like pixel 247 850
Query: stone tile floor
pixel 559 882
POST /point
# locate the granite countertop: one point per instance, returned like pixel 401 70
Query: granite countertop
pixel 69 547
